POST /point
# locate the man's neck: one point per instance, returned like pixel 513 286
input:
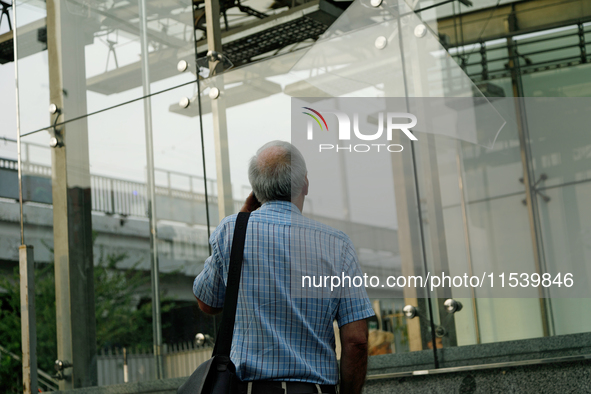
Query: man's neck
pixel 299 202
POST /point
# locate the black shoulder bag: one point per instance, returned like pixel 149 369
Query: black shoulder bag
pixel 218 374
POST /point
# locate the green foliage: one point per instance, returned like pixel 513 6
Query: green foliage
pixel 123 316
pixel 10 325
pixel 121 320
pixel 10 336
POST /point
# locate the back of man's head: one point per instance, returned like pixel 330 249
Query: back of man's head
pixel 277 172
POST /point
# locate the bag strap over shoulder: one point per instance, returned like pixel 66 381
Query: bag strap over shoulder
pixel 223 342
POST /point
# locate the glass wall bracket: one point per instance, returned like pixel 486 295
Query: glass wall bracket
pixel 447 323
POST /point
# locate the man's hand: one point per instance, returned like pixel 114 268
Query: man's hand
pixel 353 356
pixel 251 203
pixel 208 309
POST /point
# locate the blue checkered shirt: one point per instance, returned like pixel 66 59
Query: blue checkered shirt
pixel 281 332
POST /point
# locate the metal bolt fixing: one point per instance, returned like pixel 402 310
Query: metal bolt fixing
pixel 420 31
pixel 214 93
pixel 182 66
pixel 184 102
pixel 381 42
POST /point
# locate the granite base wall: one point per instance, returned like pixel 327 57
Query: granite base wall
pixel 557 377
pixel 568 377
pixel 560 378
pixel 488 353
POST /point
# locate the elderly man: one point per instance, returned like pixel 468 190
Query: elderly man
pixel 283 342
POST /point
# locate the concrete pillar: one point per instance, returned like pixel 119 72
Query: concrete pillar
pixel 218 111
pixel 72 226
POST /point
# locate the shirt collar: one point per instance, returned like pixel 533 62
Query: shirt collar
pixel 278 205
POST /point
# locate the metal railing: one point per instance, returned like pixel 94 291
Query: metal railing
pixel 120 196
pixel 45 380
pixel 493 62
pixel 179 360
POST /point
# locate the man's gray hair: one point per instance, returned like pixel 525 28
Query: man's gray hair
pixel 277 172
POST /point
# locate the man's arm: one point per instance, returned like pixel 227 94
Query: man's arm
pixel 353 356
pixel 208 309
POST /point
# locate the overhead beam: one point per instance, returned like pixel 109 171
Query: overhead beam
pixel 162 65
pixel 31 40
pixel 263 24
pixel 163 62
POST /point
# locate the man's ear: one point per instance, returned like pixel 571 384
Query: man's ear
pixel 306 185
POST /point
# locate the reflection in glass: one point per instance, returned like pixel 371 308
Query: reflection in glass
pixel 32 63
pixel 102 45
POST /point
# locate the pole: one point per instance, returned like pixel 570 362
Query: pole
pixel 18 127
pixel 28 326
pixel 125 370
pixel 26 259
pixel 156 314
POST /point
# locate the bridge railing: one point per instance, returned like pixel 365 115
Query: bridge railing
pixel 118 196
pixel 110 195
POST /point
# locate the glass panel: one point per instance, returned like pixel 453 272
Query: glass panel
pixel 500 241
pixel 113 177
pixel 468 216
pixel 490 233
pixel 39 232
pixel 495 172
pixel 32 63
pixel 391 56
pixel 560 142
pixel 108 171
pixel 8 104
pixel 121 232
pixel 474 239
pixel 349 61
pixel 563 160
pixel 182 233
pixel 562 82
pixel 113 55
pixel 258 101
pixel 565 228
pixel 36 177
pixel 101 45
pixel 257 111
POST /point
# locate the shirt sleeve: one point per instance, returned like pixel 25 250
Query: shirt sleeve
pixel 209 285
pixel 354 303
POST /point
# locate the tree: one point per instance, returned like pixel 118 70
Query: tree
pixel 123 313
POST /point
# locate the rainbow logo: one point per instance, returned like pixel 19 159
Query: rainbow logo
pixel 315 118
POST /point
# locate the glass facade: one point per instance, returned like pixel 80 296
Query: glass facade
pixel 145 152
